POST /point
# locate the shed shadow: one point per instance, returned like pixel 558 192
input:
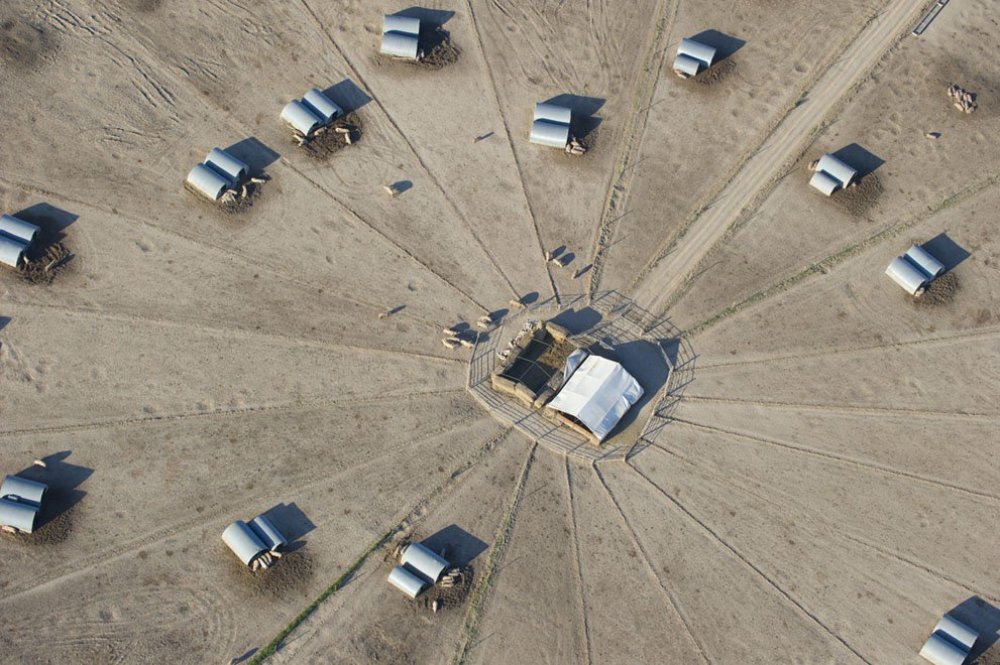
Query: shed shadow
pixel 860 159
pixel 63 479
pixel 4 320
pixel 982 617
pixel 644 361
pixel 946 250
pixel 53 223
pixel 254 154
pixel 293 524
pixel 724 45
pixel 347 95
pixel 584 120
pixel 578 320
pixel 456 545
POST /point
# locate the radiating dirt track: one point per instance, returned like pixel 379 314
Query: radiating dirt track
pixel 817 481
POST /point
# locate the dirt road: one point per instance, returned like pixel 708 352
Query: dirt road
pixel 668 272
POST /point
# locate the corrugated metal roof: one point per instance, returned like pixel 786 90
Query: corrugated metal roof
pixel 19 515
pixel 837 169
pixel 950 643
pixel 244 543
pixel 400 45
pixel 402 24
pixel 907 275
pixel 697 51
pixel 207 181
pixel 553 113
pixel 23 490
pixel 424 561
pixel 554 135
pixel 18 228
pixel 407 582
pixel 11 251
pixel 322 105
pixel 687 64
pixel 301 117
pixel 824 182
pixel 227 166
pixel 923 260
pixel 268 533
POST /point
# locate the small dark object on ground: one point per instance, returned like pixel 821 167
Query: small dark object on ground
pixel 330 142
pixel 940 291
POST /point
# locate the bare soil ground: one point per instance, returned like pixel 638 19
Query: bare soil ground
pixel 820 487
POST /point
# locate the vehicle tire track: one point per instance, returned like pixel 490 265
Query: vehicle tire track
pixel 510 143
pixel 205 326
pixel 226 413
pixel 988 333
pixel 823 266
pixel 630 143
pixel 840 459
pixel 668 595
pixel 480 594
pixel 413 149
pixel 88 563
pixel 847 408
pixel 246 259
pixel 167 70
pixel 584 614
pixel 733 551
pixel 727 478
pixel 660 279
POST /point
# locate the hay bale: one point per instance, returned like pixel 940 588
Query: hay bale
pixel 503 384
pixel 525 394
pixel 559 333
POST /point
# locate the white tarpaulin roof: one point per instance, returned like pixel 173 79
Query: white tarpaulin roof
pixel 597 394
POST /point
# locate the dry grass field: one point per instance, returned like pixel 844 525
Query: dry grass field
pixel 815 481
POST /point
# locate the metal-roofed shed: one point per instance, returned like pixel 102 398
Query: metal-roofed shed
pixel 550 125
pixel 301 117
pixel 950 643
pixel 427 563
pixel 24 490
pixel 11 251
pixel 907 275
pixel 915 270
pixel 832 174
pixel 18 229
pixel 401 37
pixel 244 543
pixel 17 515
pixel 207 182
pixel 227 166
pixel 267 533
pixel 321 105
pixel 313 111
pixel 692 57
pixel 407 582
pixel 921 258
